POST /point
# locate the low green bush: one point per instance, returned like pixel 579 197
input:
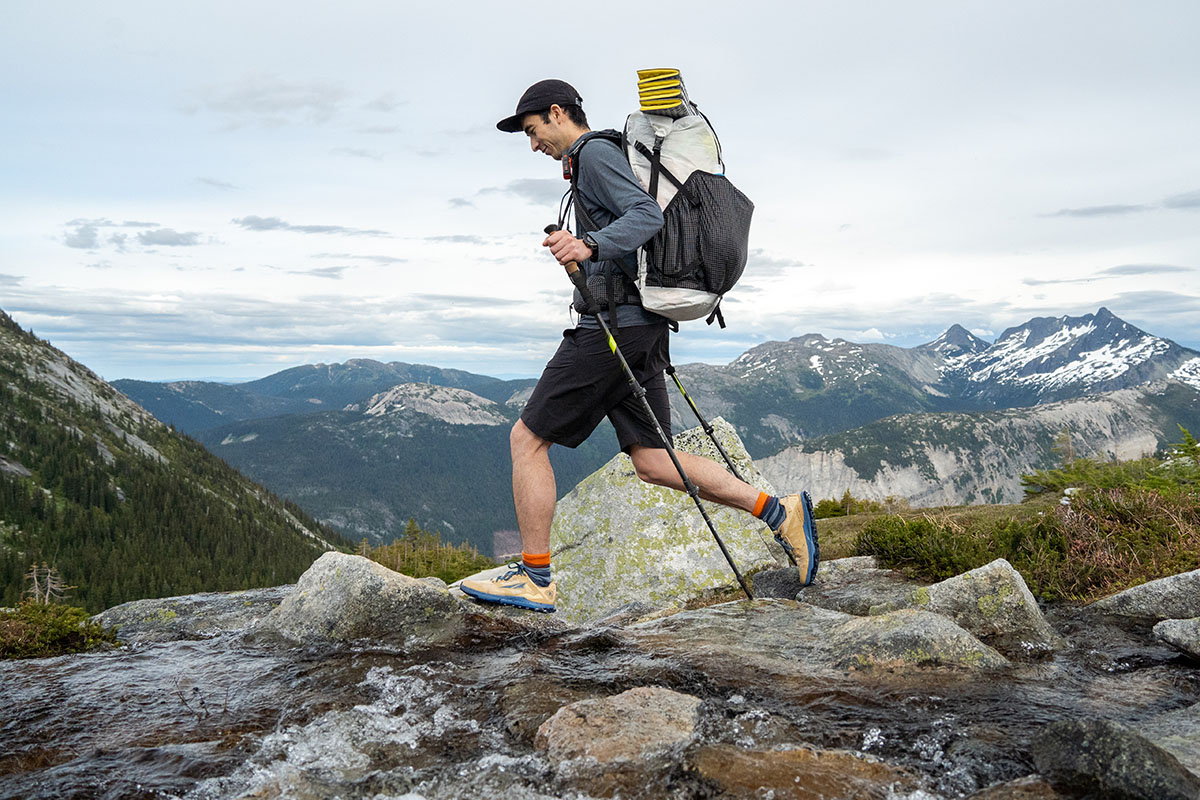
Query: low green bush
pixel 1120 524
pixel 37 630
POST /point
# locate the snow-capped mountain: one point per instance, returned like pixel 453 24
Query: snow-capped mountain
pixel 1056 358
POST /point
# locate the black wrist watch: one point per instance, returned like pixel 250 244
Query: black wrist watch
pixel 589 242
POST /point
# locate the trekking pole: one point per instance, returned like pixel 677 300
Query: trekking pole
pixel 704 423
pixel 578 278
pixel 708 428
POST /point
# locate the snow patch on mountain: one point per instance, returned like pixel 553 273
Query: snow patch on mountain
pixel 453 406
pixel 1189 373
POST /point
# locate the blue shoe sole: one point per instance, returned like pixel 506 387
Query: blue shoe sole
pixel 506 600
pixel 810 538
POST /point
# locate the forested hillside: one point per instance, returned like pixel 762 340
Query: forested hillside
pixel 119 505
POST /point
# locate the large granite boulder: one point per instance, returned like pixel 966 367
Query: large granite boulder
pixel 618 540
pixel 192 616
pixel 790 638
pixel 343 597
pixel 1183 634
pixel 1174 597
pixel 1105 759
pixel 991 602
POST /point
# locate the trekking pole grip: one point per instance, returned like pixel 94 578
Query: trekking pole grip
pixel 575 273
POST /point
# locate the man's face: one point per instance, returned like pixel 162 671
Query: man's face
pixel 545 137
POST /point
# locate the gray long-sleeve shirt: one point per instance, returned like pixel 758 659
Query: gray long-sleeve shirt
pixel 625 217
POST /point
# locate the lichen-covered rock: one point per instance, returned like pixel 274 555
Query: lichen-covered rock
pixel 854 585
pixel 627 727
pixel 991 602
pixel 192 616
pixel 1174 597
pixel 798 774
pixel 343 597
pixel 790 638
pixel 908 638
pixel 1102 758
pixel 618 540
pixel 1183 634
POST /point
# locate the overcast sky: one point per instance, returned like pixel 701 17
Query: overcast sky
pixel 224 190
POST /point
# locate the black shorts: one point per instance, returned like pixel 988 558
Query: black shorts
pixel 584 382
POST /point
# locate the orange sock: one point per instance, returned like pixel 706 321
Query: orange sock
pixel 536 559
pixel 763 497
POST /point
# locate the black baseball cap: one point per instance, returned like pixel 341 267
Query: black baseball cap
pixel 540 97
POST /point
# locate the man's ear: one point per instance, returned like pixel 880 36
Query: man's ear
pixel 557 114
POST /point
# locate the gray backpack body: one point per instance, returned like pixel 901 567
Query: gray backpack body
pixel 700 253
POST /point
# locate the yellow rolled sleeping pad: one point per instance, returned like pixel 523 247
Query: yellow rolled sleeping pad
pixel 661 91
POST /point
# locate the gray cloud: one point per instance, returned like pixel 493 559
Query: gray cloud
pixel 1053 281
pixel 759 264
pixel 460 202
pixel 540 191
pixel 119 241
pixel 102 264
pixel 84 237
pixel 269 102
pixel 10 280
pixel 1101 211
pixel 1145 269
pixel 377 259
pixel 381 130
pixel 385 102
pixel 216 184
pixel 254 223
pixel 333 273
pixel 458 238
pixel 135 224
pixel 434 301
pixel 168 237
pixel 357 152
pixel 1186 200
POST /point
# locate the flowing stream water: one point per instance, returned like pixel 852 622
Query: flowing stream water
pixel 240 716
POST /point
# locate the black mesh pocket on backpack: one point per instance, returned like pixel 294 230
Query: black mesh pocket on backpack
pixel 705 238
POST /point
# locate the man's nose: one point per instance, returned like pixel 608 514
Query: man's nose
pixel 533 145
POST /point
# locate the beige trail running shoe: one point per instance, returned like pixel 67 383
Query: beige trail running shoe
pixel 798 535
pixel 512 588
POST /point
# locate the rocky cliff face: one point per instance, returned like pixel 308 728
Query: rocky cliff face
pixel 956 459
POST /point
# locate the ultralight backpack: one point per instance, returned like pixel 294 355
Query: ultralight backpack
pixel 701 250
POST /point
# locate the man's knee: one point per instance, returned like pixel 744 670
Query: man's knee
pixel 651 464
pixel 522 441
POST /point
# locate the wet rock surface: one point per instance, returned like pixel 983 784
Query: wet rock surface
pixel 1183 634
pixel 193 616
pixel 1175 597
pixel 627 727
pixel 1106 759
pixel 854 585
pixel 429 695
pixel 802 774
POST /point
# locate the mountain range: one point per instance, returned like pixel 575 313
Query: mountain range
pixel 118 505
pixel 362 446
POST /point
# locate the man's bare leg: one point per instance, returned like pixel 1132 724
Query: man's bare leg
pixel 534 491
pixel 654 465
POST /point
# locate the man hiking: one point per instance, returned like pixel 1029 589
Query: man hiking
pixel 584 382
